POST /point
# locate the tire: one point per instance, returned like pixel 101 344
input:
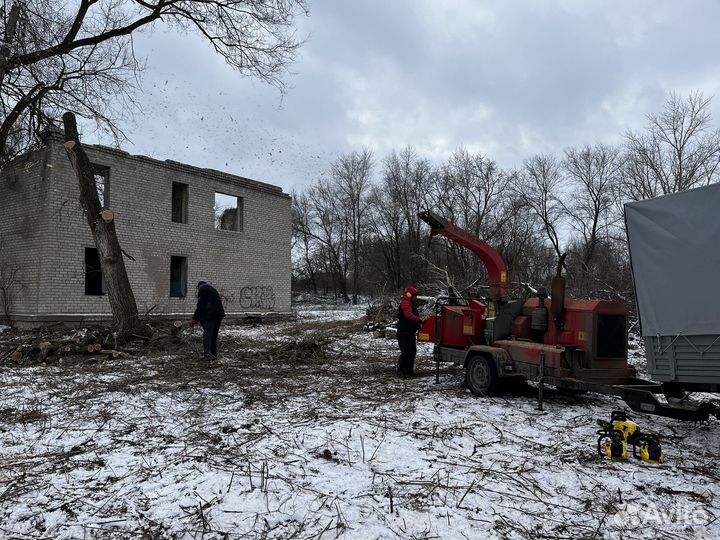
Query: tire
pixel 480 375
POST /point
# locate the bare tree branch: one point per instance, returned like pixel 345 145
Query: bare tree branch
pixel 678 150
pixel 83 57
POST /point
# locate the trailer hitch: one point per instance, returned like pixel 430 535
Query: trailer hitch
pixel 643 400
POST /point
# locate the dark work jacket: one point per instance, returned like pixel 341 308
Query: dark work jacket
pixel 209 305
pixel 406 325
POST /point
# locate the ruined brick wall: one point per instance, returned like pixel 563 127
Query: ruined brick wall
pixel 251 268
pixel 24 229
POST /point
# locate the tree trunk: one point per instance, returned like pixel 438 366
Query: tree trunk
pixel 7 40
pixel 120 294
pixel 342 282
pixel 313 280
pixel 356 271
pixel 10 28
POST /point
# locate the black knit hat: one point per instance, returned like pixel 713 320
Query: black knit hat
pixel 201 283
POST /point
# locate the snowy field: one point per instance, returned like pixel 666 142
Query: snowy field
pixel 302 431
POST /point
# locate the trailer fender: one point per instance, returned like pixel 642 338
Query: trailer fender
pixel 502 359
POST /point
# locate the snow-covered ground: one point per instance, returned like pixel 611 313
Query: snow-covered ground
pixel 331 312
pixel 303 432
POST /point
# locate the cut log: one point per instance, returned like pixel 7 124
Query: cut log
pixel 89 339
pixel 97 347
pixel 176 328
pixel 113 354
pixel 46 349
pixel 91 348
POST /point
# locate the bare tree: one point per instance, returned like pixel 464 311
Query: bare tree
pixel 470 189
pixel 593 173
pixel 679 150
pixel 387 230
pixel 520 241
pixel 476 181
pixel 537 187
pixel 407 180
pixel 79 56
pixel 396 236
pixel 351 175
pixel 303 241
pixel 326 226
pixel 530 216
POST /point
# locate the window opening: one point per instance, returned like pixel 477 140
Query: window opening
pixel 179 202
pixel 178 277
pixel 94 282
pixel 228 212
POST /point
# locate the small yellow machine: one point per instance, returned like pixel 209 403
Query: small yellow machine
pixel 620 432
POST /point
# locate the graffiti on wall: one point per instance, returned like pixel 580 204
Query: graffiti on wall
pixel 262 297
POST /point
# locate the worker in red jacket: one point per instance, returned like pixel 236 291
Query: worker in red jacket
pixel 408 323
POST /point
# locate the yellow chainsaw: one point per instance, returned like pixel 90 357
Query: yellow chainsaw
pixel 622 431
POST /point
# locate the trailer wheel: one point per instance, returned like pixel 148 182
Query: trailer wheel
pixel 480 375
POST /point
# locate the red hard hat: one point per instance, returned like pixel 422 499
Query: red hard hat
pixel 411 291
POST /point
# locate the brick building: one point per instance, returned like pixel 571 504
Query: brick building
pixel 179 223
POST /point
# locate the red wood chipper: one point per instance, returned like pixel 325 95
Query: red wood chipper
pixel 569 343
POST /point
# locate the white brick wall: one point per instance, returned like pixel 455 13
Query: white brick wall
pixel 45 233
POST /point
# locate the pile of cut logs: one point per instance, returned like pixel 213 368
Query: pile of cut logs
pixel 92 343
pixel 40 351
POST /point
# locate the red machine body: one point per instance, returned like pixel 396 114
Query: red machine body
pixel 594 331
pixel 456 326
pixel 575 344
pixel 588 342
pixel 574 340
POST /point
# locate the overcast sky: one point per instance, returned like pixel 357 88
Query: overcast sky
pixel 505 78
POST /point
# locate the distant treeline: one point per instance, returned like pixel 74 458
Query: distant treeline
pixel 356 230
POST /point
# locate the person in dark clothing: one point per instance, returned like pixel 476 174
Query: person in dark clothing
pixel 408 323
pixel 209 313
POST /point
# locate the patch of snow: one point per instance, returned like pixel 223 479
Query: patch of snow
pixel 343 312
pixel 327 451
